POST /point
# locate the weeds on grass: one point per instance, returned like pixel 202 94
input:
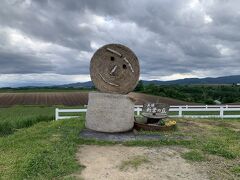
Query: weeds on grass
pixel 194 155
pixel 134 162
pixel 217 147
pixel 236 170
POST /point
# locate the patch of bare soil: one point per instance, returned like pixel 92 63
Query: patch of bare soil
pixel 120 162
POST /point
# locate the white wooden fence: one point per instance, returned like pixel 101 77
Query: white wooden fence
pixel 220 109
pixel 57 111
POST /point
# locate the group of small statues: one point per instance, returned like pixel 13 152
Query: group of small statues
pixel 115 71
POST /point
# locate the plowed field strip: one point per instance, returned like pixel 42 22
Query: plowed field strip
pixel 72 99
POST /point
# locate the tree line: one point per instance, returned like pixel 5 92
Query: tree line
pixel 207 94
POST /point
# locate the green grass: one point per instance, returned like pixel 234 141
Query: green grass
pixel 201 113
pixel 194 155
pixel 44 151
pixel 219 147
pixel 134 162
pixel 236 170
pixel 17 117
pixel 231 112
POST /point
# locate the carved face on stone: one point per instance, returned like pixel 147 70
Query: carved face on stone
pixel 114 68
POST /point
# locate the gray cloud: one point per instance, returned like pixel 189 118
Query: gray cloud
pixel 22 64
pixel 171 38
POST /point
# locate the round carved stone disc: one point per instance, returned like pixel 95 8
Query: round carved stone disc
pixel 114 68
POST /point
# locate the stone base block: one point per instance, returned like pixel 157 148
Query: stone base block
pixel 109 112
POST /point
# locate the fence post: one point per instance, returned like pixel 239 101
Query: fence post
pixel 221 111
pixel 180 111
pixel 56 114
pixel 138 111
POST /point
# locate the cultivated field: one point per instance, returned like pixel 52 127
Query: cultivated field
pixel 72 99
pixel 45 98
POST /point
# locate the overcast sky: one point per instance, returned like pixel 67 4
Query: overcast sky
pixel 52 41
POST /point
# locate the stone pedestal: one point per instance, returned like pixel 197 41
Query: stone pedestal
pixel 109 112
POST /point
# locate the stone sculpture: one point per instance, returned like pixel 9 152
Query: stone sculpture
pixel 114 70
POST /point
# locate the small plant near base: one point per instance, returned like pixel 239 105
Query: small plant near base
pixel 161 123
pixel 168 123
pixel 171 123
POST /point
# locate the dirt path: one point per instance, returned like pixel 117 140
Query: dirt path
pixel 135 163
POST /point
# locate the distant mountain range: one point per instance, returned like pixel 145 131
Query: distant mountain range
pixel 87 84
pixel 187 81
pixel 208 80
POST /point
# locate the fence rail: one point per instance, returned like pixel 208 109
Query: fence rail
pixel 221 109
pixel 57 111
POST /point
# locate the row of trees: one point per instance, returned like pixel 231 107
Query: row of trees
pixel 194 93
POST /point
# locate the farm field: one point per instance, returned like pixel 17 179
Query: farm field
pixel 47 149
pixel 72 99
pixel 45 98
